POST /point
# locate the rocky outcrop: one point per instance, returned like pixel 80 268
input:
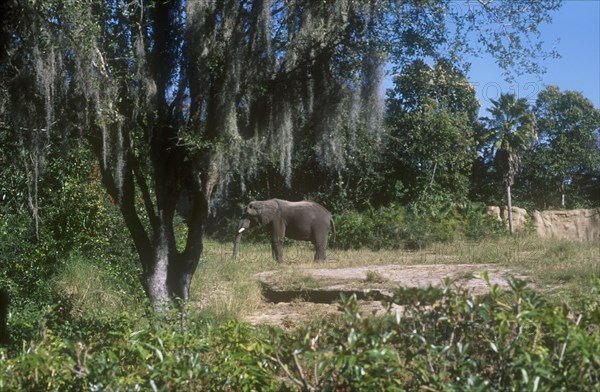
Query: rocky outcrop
pixel 576 225
pixel 501 213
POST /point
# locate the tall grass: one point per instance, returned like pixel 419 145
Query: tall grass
pixel 223 287
pixel 88 284
pixel 226 288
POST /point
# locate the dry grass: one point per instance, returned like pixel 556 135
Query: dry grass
pixel 375 277
pixel 87 287
pixel 225 287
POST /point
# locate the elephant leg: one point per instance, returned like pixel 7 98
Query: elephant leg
pixel 320 247
pixel 277 238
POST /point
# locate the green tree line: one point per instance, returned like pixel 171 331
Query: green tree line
pixel 435 150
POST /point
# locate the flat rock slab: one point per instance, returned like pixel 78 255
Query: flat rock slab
pixel 386 277
pixel 297 294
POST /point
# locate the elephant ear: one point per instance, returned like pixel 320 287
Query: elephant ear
pixel 268 212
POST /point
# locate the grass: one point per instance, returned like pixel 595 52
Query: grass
pixel 375 277
pixel 294 279
pixel 89 285
pixel 493 341
pixel 225 288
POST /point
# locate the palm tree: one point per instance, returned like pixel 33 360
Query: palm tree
pixel 511 131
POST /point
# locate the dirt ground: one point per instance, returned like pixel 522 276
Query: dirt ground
pixel 312 293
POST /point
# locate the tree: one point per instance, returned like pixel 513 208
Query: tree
pixel 430 116
pixel 172 96
pixel 569 126
pixel 511 129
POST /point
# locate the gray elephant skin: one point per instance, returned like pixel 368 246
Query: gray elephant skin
pixel 298 220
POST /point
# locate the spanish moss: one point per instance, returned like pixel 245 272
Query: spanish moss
pixel 179 98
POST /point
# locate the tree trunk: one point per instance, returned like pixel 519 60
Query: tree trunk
pixel 182 268
pixel 170 274
pixel 158 271
pixel 4 302
pixel 166 273
pixel 562 195
pixel 509 202
pixel 236 244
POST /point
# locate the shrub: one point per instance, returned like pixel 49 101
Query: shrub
pixel 412 227
pixel 459 341
pixel 117 353
pixel 77 221
pixel 446 339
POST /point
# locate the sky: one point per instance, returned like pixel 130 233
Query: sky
pixel 575 32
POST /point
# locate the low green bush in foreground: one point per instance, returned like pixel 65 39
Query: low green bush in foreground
pixel 446 339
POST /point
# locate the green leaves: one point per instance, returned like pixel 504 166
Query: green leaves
pixel 446 339
pixel 568 150
pixel 512 124
pixel 431 114
pixel 419 224
pixel 511 340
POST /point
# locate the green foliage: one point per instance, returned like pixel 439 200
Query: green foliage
pixel 459 342
pixel 77 211
pixel 71 279
pixel 25 265
pixel 510 131
pixel 445 339
pixel 117 353
pixel 511 126
pixel 81 241
pixel 567 154
pixel 414 226
pixel 431 113
pixel 362 179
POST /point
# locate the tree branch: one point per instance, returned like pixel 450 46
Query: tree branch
pixel 126 204
pixel 141 181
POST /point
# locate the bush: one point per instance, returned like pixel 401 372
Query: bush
pixel 77 221
pixel 412 227
pixel 446 339
pixel 459 341
pixel 111 352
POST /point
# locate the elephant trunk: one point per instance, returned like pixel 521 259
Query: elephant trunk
pixel 244 224
pixel 236 244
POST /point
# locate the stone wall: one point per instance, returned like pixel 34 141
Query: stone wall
pixel 501 213
pixel 576 225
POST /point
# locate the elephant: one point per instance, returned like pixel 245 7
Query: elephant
pixel 300 220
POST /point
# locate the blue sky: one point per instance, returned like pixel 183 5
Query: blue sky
pixel 575 31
